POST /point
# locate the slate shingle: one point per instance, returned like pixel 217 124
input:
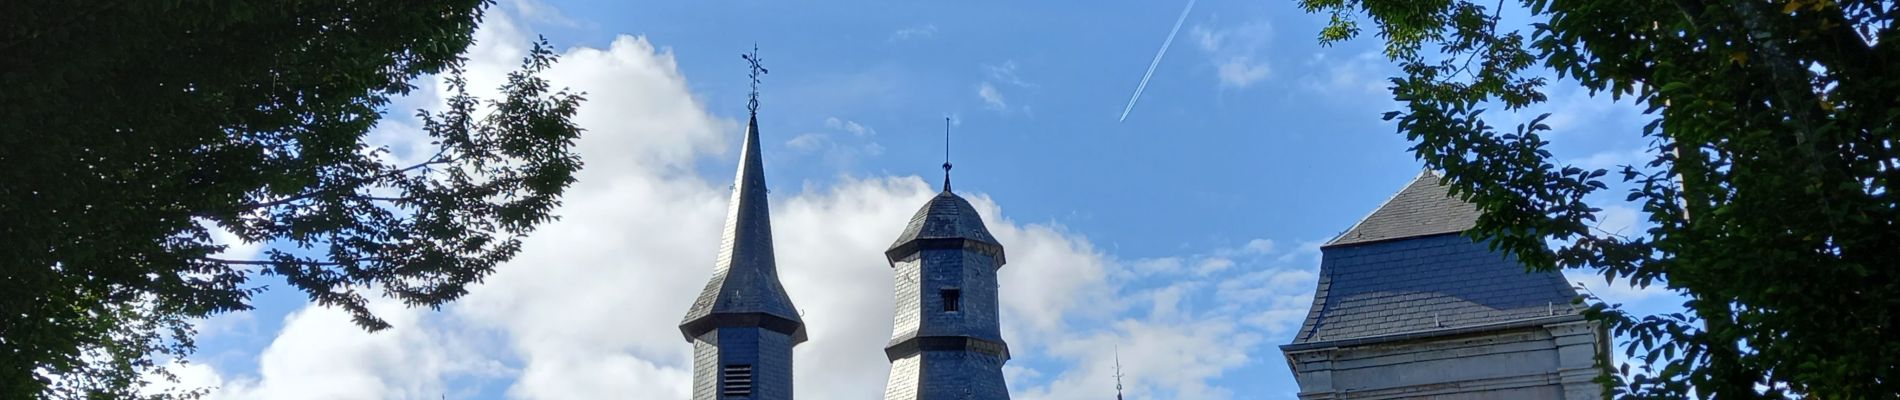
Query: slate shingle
pixel 1407 269
pixel 947 216
pixel 745 276
pixel 1422 208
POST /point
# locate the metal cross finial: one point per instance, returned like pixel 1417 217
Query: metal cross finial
pixel 758 71
pixel 1118 373
pixel 946 153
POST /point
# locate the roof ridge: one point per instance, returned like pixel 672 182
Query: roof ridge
pixel 1375 210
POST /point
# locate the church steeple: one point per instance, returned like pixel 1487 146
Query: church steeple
pixel 743 325
pixel 946 342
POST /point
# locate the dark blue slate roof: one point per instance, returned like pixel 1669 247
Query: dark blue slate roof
pixel 745 288
pixel 1422 208
pixel 947 217
pixel 1413 272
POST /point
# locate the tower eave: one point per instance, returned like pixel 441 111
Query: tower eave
pixel 906 248
pixel 695 327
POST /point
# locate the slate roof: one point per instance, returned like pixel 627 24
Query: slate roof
pixel 1406 270
pixel 947 217
pixel 1422 208
pixel 745 288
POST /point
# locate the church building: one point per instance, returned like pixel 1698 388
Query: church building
pixel 1408 307
pixel 946 343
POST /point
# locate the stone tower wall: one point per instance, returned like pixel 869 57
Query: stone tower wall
pixel 939 354
pixel 768 353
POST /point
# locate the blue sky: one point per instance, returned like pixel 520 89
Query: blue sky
pixel 1184 236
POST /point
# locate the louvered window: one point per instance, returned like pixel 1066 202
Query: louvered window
pixel 736 380
pixel 951 298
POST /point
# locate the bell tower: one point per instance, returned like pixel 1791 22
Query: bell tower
pixel 946 343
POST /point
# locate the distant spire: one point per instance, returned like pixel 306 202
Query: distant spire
pixel 1118 373
pixel 758 71
pixel 946 154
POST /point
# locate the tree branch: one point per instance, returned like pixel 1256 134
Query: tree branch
pixel 434 160
pixel 273 263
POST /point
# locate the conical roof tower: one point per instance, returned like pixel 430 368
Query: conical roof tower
pixel 946 341
pixel 743 325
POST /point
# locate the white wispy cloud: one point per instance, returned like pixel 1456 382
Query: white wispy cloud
pixel 924 31
pixel 1240 72
pixel 1259 246
pixel 1355 79
pixel 538 11
pixel 992 98
pixel 1006 73
pixel 998 77
pixel 1214 313
pixel 806 141
pixel 852 127
pixel 1236 52
pixel 842 144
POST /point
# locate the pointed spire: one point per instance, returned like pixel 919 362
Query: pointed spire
pixel 748 230
pixel 748 226
pixel 946 154
pixel 745 279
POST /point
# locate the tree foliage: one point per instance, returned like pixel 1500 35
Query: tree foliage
pixel 1771 189
pixel 131 131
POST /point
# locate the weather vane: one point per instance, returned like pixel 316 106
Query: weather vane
pixel 758 71
pixel 946 153
pixel 1118 373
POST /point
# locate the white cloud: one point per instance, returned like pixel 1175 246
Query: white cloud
pixel 1212 265
pixel 1358 77
pixel 1573 110
pixel 1236 52
pixel 852 127
pixel 1619 292
pixel 537 11
pixel 841 151
pixel 1005 73
pixel 806 142
pixel 321 355
pixel 1240 72
pixel 991 97
pixel 924 31
pixel 186 378
pixel 1308 248
pixel 996 78
pixel 1176 338
pixel 1259 246
pixel 1621 221
pixel 1150 266
pixel 1614 160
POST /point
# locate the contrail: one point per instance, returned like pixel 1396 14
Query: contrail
pixel 1157 61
